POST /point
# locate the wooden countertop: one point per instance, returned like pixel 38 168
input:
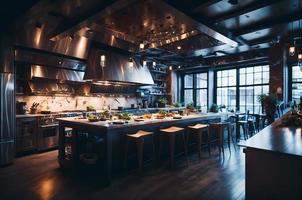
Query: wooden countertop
pixel 287 140
pixel 109 125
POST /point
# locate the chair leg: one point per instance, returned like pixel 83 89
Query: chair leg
pixel 229 137
pixel 172 149
pixel 126 153
pixel 222 140
pixel 140 152
pixel 232 137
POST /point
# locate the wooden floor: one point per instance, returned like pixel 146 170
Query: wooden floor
pixel 39 177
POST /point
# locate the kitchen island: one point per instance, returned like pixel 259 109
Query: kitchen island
pixel 113 135
pixel 274 163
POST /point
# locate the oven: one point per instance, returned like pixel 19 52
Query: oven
pixel 48 132
pixel 48 137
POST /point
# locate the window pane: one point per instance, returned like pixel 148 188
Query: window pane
pixel 232 77
pixel 202 80
pixel 188 81
pixel 202 99
pixel 188 96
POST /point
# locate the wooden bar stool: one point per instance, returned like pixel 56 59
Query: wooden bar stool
pixel 219 128
pixel 198 130
pixel 171 132
pixel 139 137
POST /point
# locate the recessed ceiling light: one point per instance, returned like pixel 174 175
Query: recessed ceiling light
pixel 178 47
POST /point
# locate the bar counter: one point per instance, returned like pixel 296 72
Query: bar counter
pixel 274 163
pixel 114 135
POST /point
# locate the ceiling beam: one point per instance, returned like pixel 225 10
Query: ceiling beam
pixel 69 26
pixel 254 5
pixel 270 22
pixel 204 4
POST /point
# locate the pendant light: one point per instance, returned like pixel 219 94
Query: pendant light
pixel 131 64
pixel 102 60
pixel 144 63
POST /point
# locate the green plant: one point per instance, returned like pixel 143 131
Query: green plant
pixel 125 116
pixel 214 108
pixel 269 102
pixel 271 99
pixel 190 106
pixel 162 100
pixel 177 104
pixel 163 112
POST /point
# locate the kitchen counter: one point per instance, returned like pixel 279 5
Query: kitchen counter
pixel 30 115
pixel 132 123
pixel 114 135
pixel 274 138
pixel 273 160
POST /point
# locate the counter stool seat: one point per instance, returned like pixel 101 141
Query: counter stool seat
pixel 139 137
pixel 172 129
pixel 171 132
pixel 198 130
pixel 140 133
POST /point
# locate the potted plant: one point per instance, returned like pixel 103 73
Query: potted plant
pixel 162 101
pixel 214 108
pixel 269 103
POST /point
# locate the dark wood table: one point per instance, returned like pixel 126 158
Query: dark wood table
pixel 274 163
pixel 114 135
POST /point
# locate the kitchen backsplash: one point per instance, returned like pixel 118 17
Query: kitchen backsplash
pixel 64 103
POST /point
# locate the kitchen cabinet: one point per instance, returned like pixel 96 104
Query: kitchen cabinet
pixel 26 137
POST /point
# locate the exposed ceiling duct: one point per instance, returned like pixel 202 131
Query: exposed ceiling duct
pixel 117 68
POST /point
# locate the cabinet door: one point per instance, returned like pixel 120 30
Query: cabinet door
pixel 26 134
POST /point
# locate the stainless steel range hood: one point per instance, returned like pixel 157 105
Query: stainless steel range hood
pixel 38 71
pixel 116 69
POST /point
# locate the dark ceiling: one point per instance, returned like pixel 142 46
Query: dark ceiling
pixel 178 29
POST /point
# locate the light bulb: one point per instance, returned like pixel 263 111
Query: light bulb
pixel 102 62
pixel 300 57
pixel 154 63
pixel 170 68
pixel 144 63
pixel 141 46
pixel 291 50
pixel 131 62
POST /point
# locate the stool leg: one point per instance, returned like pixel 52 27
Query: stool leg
pixel 199 135
pixel 153 148
pixel 140 152
pixel 209 141
pixel 172 149
pixel 188 136
pixel 185 147
pixel 126 153
pixel 160 146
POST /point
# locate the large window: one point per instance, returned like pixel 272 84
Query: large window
pixel 253 82
pixel 196 90
pixel 226 88
pixel 296 83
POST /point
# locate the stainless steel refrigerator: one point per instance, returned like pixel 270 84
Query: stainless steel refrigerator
pixel 7 102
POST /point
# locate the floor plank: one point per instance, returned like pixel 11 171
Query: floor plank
pixel 39 177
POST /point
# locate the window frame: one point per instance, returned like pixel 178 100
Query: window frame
pixel 194 88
